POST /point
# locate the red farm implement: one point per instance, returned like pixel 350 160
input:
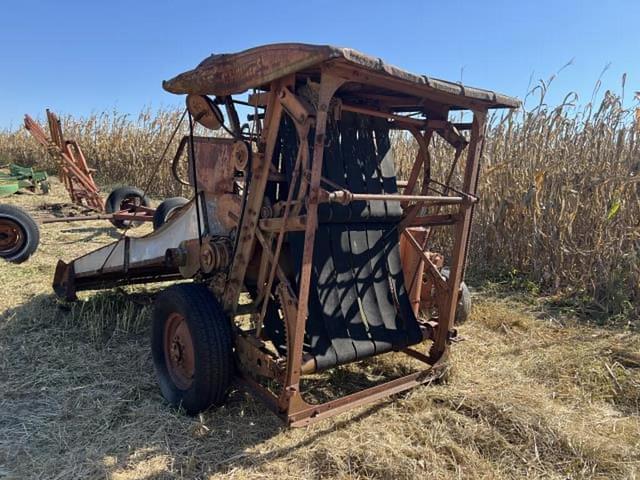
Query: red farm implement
pixel 124 207
pixel 301 212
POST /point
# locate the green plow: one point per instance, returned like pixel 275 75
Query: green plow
pixel 14 178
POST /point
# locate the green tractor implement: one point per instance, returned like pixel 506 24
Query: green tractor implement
pixel 14 178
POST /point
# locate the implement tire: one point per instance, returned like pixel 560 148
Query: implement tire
pixel 166 210
pixel 191 343
pixel 120 198
pixel 463 309
pixel 19 234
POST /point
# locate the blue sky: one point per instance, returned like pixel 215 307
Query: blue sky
pixel 83 56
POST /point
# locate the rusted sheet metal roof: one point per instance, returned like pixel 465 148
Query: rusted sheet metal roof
pixel 228 74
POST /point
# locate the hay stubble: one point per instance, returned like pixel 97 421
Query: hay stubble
pixel 530 395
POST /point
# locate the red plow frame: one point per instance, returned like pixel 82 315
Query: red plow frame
pixel 73 169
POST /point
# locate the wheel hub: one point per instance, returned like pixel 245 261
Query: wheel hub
pixel 130 203
pixel 12 237
pixel 178 350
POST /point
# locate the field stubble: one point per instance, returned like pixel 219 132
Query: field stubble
pixel 530 394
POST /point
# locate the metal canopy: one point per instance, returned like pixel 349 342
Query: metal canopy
pixel 228 74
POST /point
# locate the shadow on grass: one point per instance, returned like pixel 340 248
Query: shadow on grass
pixel 93 233
pixel 60 210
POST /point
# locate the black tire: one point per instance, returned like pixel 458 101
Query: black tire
pixel 463 309
pixel 209 330
pixel 19 234
pixel 118 199
pixel 166 209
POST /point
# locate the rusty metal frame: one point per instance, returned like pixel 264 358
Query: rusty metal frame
pixel 255 196
pixel 255 239
pixel 280 100
pixel 138 213
pixel 73 169
pixel 74 173
pixel 257 359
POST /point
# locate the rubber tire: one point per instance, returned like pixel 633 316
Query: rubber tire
pixel 29 229
pixel 463 309
pixel 165 209
pixel 114 202
pixel 212 342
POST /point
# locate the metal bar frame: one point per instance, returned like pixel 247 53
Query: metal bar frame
pixel 127 215
pixel 255 197
pixel 73 169
pixel 281 100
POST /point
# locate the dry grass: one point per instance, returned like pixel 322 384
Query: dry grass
pixel 530 396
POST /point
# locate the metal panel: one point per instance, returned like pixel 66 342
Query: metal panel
pixel 228 74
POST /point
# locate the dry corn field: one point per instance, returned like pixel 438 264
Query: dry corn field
pixel 560 190
pixel 544 384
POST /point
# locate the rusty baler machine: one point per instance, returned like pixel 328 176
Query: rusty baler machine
pixel 299 213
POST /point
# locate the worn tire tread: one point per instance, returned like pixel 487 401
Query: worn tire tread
pixel 167 206
pixel 211 335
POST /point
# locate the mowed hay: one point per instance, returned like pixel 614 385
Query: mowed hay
pixel 529 396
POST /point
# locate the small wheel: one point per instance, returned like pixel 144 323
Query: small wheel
pixel 463 309
pixel 191 345
pixel 166 210
pixel 19 234
pixel 124 198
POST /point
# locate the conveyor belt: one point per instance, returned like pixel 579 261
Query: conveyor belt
pixel 358 305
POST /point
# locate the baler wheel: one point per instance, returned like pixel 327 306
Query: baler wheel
pixel 463 310
pixel 178 350
pixel 192 347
